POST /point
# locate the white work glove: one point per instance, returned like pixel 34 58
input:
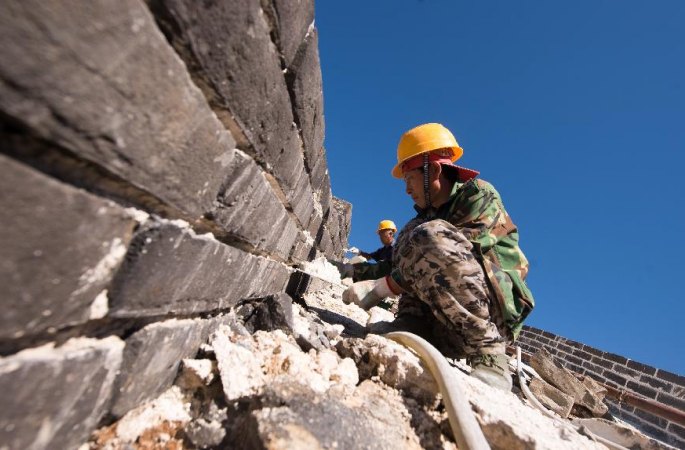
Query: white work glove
pixel 353 250
pixel 367 294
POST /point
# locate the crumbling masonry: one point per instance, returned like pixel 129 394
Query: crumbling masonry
pixel 162 161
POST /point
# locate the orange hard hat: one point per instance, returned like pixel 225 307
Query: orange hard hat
pixel 386 225
pixel 423 139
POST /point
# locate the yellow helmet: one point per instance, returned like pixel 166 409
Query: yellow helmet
pixel 386 225
pixel 422 139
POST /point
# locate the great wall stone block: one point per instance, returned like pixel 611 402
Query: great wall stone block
pixel 228 50
pixel 344 214
pixel 99 80
pixel 249 210
pixel 54 397
pixel 60 248
pixel 303 249
pixel 318 169
pixel 151 359
pixel 314 224
pixel 325 244
pixel 302 200
pixel 333 227
pixel 293 18
pixel 170 269
pixel 304 81
pixel 324 192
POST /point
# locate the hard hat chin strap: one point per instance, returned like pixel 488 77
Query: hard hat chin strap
pixel 426 187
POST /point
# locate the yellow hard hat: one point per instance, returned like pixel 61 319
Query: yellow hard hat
pixel 386 225
pixel 422 139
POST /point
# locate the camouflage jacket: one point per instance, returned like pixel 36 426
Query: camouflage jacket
pixel 475 207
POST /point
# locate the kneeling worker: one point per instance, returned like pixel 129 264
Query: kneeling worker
pixel 457 264
pixel 383 256
pixel 369 271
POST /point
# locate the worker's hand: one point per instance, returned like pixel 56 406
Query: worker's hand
pixel 367 294
pixel 353 250
pixel 346 269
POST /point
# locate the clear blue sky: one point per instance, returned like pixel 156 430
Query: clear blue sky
pixel 575 111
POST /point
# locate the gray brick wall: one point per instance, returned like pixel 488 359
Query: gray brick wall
pixel 621 373
pixel 161 161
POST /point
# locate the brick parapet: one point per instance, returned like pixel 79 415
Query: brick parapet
pixel 621 373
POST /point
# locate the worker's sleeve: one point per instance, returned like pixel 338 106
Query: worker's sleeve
pixel 370 271
pixel 375 255
pixel 479 213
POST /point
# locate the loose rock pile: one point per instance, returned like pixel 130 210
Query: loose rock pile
pixel 305 374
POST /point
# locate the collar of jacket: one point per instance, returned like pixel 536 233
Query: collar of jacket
pixel 443 210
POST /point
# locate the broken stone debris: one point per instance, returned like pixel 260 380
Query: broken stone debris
pixel 621 433
pixel 551 397
pixel 268 390
pixel 589 398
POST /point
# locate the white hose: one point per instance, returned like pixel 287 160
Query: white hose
pixel 466 430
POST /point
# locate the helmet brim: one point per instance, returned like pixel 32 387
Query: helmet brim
pixel 397 170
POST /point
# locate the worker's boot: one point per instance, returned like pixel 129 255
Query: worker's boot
pixel 492 370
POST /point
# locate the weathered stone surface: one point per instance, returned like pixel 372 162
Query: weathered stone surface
pixel 323 195
pixel 305 281
pixel 325 243
pixel 207 431
pixel 250 211
pixel 594 387
pixel 552 397
pixel 343 213
pixel 248 364
pixel 194 374
pixel 228 49
pixel 303 249
pixel 274 312
pixel 292 20
pixel 151 359
pixel 99 79
pixel 623 435
pixel 333 226
pixel 392 363
pixel 153 424
pixel 315 221
pixel 229 320
pixel 291 415
pixel 304 80
pixel 318 168
pixel 563 379
pixel 170 269
pixel 325 300
pixel 54 397
pixel 60 247
pixel 301 199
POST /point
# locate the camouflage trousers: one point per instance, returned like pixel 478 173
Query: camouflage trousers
pixel 447 290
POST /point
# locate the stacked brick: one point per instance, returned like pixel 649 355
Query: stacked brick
pixel 621 373
pixel 162 160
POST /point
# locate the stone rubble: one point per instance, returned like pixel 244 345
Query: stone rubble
pixel 358 390
pixel 585 395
